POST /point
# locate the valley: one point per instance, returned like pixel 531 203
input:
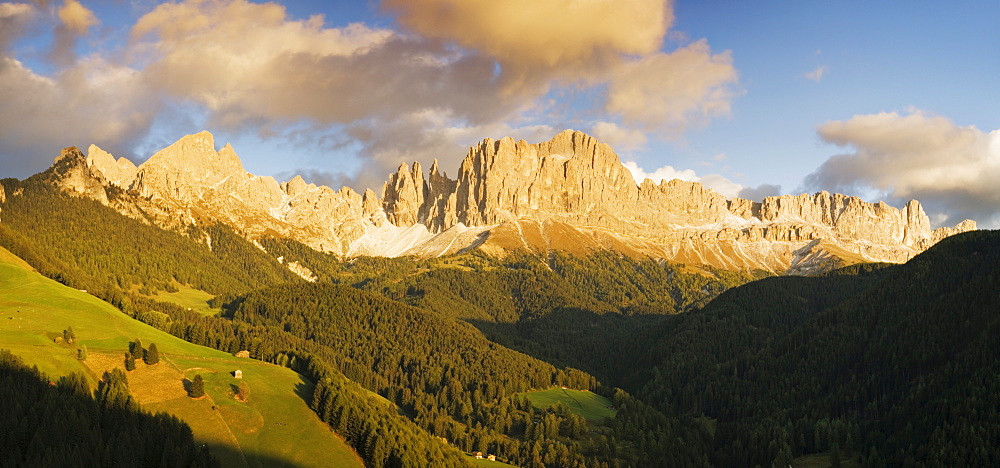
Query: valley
pixel 544 341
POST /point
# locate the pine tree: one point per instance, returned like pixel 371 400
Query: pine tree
pixel 835 456
pixel 81 353
pixel 68 335
pixel 129 362
pixel 136 348
pixel 197 389
pixel 76 383
pixel 113 391
pixel 152 355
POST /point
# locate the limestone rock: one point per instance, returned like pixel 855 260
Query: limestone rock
pixel 570 193
pixel 119 172
pixel 403 195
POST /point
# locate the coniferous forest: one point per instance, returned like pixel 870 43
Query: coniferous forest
pixel 67 424
pixel 883 365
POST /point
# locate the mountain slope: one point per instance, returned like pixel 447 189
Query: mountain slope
pixel 267 430
pixel 46 424
pixel 896 364
pixel 571 193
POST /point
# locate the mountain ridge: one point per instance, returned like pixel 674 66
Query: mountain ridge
pixel 570 193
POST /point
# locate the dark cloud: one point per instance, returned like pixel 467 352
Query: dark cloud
pixel 760 192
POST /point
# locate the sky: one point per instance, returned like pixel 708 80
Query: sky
pixel 884 100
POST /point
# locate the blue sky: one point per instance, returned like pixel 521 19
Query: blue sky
pixel 875 99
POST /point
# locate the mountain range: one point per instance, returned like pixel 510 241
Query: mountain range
pixel 571 193
pixel 531 309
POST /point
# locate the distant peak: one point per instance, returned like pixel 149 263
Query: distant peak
pixel 197 151
pixel 201 139
pixel 70 153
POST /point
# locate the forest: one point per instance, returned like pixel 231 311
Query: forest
pixel 885 365
pixel 64 423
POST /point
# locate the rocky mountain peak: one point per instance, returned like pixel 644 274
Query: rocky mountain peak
pixel 295 186
pixel 570 193
pixel 71 173
pixel 196 153
pixel 118 172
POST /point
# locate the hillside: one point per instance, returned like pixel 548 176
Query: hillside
pixel 896 364
pixel 275 427
pixel 46 423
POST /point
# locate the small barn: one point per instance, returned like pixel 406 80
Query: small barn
pixel 243 354
pixel 238 374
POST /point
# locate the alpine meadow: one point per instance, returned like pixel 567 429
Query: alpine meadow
pixel 642 292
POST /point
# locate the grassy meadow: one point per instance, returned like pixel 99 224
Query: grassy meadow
pixel 273 427
pixel 189 298
pixel 590 405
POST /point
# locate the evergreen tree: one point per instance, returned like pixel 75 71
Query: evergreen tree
pixel 136 349
pixel 197 389
pixel 835 456
pixel 129 362
pixel 152 355
pixel 81 353
pixel 76 383
pixel 113 391
pixel 68 335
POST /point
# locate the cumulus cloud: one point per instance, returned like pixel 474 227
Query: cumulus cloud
pixel 76 18
pixel 93 102
pixel 719 183
pixel 817 73
pixel 618 137
pixel 459 72
pixel 290 69
pixel 952 170
pixel 527 36
pixel 670 92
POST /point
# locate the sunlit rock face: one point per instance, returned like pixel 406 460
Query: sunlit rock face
pixel 570 193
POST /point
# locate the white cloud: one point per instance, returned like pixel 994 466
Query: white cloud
pixel 716 182
pixel 463 68
pixel 528 36
pixel 817 73
pixel 619 138
pixel 670 92
pixel 77 18
pixel 952 170
pixel 93 102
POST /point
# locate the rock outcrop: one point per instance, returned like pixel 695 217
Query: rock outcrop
pixel 571 193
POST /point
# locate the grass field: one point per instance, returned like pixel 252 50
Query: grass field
pixel 822 460
pixel 587 404
pixel 274 427
pixel 189 298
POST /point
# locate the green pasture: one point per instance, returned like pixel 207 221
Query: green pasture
pixel 274 427
pixel 189 298
pixel 588 404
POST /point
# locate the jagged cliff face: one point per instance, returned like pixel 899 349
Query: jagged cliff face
pixel 571 193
